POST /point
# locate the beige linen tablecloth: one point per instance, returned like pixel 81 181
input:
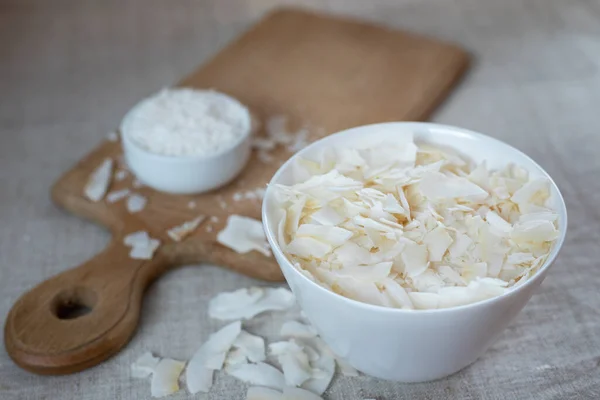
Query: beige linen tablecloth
pixel 70 69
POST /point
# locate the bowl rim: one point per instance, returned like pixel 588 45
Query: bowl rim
pixel 123 130
pixel 562 211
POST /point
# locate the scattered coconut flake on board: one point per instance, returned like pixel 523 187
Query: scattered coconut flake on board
pixel 210 357
pixel 99 181
pixel 117 195
pixel 120 175
pixel 180 232
pixel 191 204
pixel 136 203
pixel 144 366
pixel 165 377
pixel 137 184
pixel 142 245
pixel 248 303
pixel 214 219
pixel 112 136
pixel 402 225
pixel 244 234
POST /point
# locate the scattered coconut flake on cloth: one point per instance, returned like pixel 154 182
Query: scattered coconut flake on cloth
pixel 248 303
pixel 300 367
pixel 180 232
pixel 144 366
pixel 99 181
pixel 405 226
pixel 136 203
pixel 142 245
pixel 244 234
pixel 210 357
pixel 165 377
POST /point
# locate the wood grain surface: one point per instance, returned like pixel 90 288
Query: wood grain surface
pixel 323 72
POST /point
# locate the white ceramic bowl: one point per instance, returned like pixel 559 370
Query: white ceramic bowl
pixel 185 174
pixel 411 345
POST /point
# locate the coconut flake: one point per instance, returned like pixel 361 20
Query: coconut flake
pixel 261 374
pixel 142 245
pixel 209 357
pixel 165 378
pixel 136 203
pixel 99 180
pixel 247 303
pixel 117 195
pixel 144 366
pixel 180 232
pixel 437 242
pixel 120 175
pixel 112 136
pixel 251 346
pixel 297 330
pixel 244 234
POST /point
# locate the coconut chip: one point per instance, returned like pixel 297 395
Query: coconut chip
pixel 261 374
pixel 297 330
pixel 243 234
pixel 251 346
pixel 112 136
pixel 180 232
pixel 120 175
pixel 247 303
pixel 99 180
pixel 144 366
pixel 210 357
pixel 165 378
pixel 136 203
pixel 142 245
pixel 117 195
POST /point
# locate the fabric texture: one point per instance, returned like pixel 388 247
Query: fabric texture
pixel 69 70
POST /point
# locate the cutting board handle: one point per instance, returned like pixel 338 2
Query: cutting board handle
pixel 82 316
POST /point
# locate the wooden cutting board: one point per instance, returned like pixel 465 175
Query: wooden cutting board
pixel 326 72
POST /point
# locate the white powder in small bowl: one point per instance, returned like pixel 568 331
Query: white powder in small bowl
pixel 188 122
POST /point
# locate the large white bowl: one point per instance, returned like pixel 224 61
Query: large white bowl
pixel 411 345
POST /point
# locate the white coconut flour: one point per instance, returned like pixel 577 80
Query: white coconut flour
pixel 414 227
pixel 188 122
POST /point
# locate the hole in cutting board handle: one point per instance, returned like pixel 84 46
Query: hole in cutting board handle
pixel 74 303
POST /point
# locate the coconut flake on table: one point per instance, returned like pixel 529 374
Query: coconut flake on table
pixel 248 303
pixel 210 357
pixel 406 226
pixel 136 203
pixel 165 377
pixel 180 232
pixel 244 234
pixel 261 374
pixel 99 181
pixel 144 366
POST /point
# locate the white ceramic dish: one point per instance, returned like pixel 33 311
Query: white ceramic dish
pixel 411 345
pixel 185 174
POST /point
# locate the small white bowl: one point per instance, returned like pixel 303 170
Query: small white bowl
pixel 411 345
pixel 187 174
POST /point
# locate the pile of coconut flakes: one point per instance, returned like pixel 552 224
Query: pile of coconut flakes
pixel 414 227
pixel 297 365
